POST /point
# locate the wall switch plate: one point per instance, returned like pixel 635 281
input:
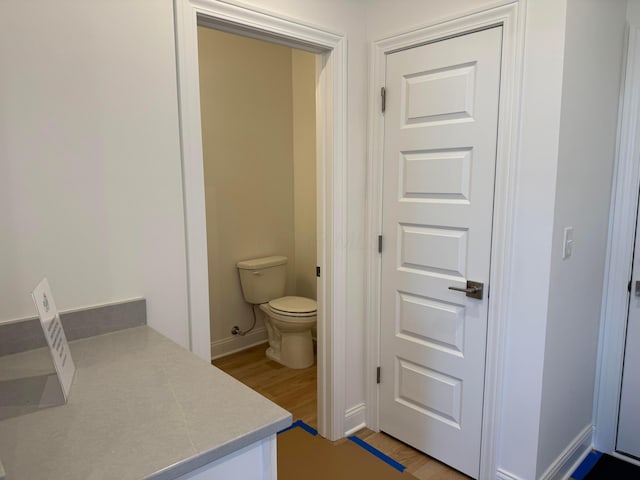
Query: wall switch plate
pixel 567 244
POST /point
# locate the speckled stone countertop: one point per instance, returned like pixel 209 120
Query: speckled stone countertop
pixel 140 407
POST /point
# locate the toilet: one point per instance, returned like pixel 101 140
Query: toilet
pixel 288 319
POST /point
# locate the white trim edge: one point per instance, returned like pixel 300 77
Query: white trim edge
pixel 571 457
pixel 504 475
pixel 626 458
pixel 354 419
pixel 622 229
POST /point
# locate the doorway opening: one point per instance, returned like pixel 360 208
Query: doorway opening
pixel 258 115
pixel 330 98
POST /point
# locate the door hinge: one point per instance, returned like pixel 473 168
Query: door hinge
pixel 317 271
pixel 383 97
pixel 378 375
pixel 629 286
pixel 379 243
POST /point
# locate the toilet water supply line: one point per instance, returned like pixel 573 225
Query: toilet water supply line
pixel 236 329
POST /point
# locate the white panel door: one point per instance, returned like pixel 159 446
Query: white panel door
pixel 439 166
pixel 628 439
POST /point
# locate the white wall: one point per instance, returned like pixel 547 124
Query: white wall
pixel 633 12
pixel 590 96
pixel 385 18
pixel 90 182
pixel 535 192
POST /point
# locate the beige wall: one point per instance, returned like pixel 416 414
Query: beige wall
pixel 248 117
pixel 303 72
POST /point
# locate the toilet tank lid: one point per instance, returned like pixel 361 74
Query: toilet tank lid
pixel 263 262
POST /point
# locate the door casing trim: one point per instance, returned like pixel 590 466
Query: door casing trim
pixel 618 267
pixel 331 128
pixel 511 16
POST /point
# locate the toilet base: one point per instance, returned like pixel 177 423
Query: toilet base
pixel 296 350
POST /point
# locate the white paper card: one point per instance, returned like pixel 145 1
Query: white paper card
pixel 54 333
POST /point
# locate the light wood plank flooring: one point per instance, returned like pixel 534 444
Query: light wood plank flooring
pixel 296 391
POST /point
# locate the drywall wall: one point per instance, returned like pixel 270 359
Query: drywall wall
pixel 386 18
pixel 91 179
pixel 533 226
pixel 303 75
pixel 590 94
pixel 633 12
pixel 247 139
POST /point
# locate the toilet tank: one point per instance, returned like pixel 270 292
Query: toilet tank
pixel 263 279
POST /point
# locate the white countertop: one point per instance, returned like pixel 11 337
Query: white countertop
pixel 140 407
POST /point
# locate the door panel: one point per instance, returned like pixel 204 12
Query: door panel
pixel 439 167
pixel 628 438
pixel 436 175
pixel 439 95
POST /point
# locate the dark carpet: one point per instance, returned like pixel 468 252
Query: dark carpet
pixel 611 468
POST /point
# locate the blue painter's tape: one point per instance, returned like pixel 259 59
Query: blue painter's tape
pixel 302 425
pixel 398 466
pixel 586 465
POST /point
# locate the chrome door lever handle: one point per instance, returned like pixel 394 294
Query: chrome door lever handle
pixel 466 290
pixel 473 290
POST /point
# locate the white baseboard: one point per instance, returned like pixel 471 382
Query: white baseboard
pixel 570 458
pixel 504 475
pixel 567 461
pixel 354 419
pixel 229 345
pixel 624 457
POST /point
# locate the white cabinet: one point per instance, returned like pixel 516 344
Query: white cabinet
pixel 256 462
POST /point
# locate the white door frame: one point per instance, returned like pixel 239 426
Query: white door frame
pixel 622 230
pixel 331 167
pixel 511 16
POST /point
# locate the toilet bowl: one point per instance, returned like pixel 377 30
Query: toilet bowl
pixel 289 320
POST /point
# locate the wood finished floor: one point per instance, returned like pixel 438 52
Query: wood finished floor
pixel 296 391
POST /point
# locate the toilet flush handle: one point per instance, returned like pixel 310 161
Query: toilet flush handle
pixel 256 272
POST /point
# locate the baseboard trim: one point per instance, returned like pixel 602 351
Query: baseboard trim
pixel 571 457
pixel 229 345
pixel 354 419
pixel 504 475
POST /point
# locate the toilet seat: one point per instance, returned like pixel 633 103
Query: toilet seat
pixel 292 306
